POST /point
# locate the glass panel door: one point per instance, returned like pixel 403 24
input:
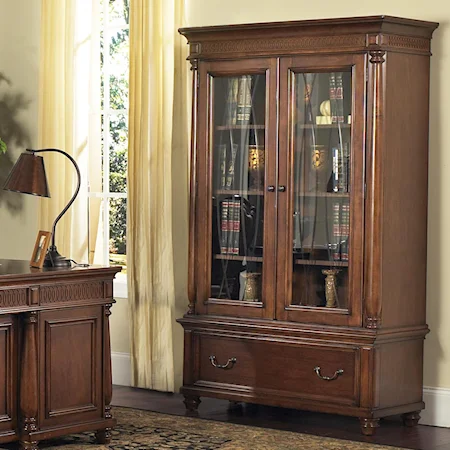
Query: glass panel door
pixel 241 153
pixel 322 173
pixel 238 145
pixel 323 162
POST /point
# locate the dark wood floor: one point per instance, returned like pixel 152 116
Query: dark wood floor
pixel 391 431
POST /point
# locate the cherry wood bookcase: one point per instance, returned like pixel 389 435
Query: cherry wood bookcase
pixel 55 354
pixel 308 215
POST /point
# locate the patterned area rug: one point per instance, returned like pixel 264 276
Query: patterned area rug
pixel 146 430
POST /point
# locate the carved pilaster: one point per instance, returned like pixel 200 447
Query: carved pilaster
pixel 29 381
pixel 103 436
pixel 193 187
pixel 108 371
pixel 374 200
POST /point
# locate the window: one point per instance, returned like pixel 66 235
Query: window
pixel 108 193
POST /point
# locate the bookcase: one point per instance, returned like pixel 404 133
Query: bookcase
pixel 308 215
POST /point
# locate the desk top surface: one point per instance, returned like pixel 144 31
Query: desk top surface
pixel 15 268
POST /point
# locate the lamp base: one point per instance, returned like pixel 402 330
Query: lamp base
pixel 55 260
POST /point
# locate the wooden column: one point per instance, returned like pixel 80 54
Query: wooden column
pixel 104 436
pixel 29 382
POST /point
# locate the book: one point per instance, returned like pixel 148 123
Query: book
pixel 224 226
pixel 222 150
pixel 311 98
pixel 244 100
pixel 332 95
pixel 335 247
pixel 232 97
pixel 236 215
pixel 230 173
pixel 345 231
pixel 339 96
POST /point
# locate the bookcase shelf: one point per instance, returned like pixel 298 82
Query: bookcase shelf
pixel 238 192
pixel 325 194
pixel 335 126
pixel 239 258
pixel 240 127
pixel 312 262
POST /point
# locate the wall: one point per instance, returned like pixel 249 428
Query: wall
pixel 19 60
pixel 215 12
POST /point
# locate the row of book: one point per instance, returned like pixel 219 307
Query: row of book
pixel 239 100
pixel 230 227
pixel 336 93
pixel 237 225
pixel 341 231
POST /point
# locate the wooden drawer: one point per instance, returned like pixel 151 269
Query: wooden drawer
pixel 281 368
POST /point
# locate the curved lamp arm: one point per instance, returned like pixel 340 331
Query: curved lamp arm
pixel 53 246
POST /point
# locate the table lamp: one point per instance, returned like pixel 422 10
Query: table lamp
pixel 28 177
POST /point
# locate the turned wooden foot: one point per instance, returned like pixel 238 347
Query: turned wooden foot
pixel 368 426
pixel 103 436
pixel 29 445
pixel 192 402
pixel 411 419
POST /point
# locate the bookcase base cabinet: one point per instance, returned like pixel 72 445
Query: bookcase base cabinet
pixel 367 376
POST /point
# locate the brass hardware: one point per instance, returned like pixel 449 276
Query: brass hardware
pixel 229 365
pixel 281 188
pixel 336 374
pixel 271 188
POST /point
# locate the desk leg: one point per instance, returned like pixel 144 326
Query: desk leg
pixel 29 382
pixel 104 436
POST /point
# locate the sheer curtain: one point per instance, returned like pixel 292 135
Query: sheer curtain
pixel 69 115
pixel 157 135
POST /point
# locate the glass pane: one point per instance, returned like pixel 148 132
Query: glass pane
pixel 238 151
pixel 118 155
pixel 119 12
pixel 117 231
pixel 321 138
pixel 118 69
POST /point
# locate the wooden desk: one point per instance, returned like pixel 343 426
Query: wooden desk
pixel 55 355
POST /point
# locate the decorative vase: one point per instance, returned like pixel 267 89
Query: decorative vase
pixel 330 287
pixel 319 156
pixel 252 286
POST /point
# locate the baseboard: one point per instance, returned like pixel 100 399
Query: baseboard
pixel 437 407
pixel 121 368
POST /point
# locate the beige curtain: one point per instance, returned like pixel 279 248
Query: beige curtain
pixel 157 132
pixel 69 115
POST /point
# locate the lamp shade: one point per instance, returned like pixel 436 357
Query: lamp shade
pixel 28 176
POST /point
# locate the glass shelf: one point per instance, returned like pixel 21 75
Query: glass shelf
pixel 240 258
pixel 311 262
pixel 240 127
pixel 238 192
pixel 324 194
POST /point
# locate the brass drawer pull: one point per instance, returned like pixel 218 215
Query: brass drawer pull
pixel 336 374
pixel 229 365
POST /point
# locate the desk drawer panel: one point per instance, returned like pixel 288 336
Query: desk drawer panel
pixel 282 367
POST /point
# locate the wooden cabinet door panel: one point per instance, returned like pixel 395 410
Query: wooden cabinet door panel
pixel 235 168
pixel 71 364
pixel 321 210
pixel 8 374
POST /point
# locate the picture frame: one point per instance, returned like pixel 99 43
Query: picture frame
pixel 40 249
